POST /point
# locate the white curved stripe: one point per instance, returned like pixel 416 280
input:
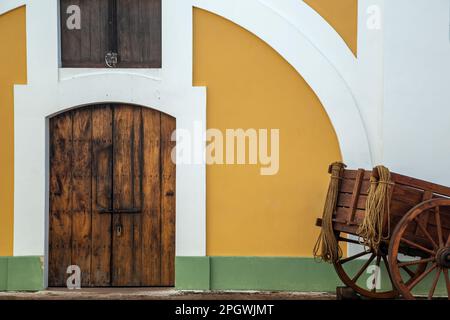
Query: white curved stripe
pixel 8 5
pixel 320 33
pixel 49 91
pixel 309 62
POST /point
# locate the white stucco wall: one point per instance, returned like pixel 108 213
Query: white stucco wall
pixel 416 121
pixel 308 43
pixel 368 84
pixel 51 90
pixel 389 105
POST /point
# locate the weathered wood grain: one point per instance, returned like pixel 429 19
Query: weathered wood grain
pixel 81 192
pixel 101 190
pixel 87 46
pixel 60 224
pixel 151 214
pixel 139 33
pixel 168 126
pixel 112 196
pixel 131 28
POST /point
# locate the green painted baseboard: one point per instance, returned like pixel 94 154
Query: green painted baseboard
pixel 3 273
pixel 265 273
pixel 254 273
pixel 272 274
pixel 21 274
pixel 192 273
pixel 221 273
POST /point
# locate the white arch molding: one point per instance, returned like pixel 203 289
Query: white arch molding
pixel 51 90
pixel 8 5
pixel 318 54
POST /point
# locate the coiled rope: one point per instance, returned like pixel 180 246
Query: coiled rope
pixel 326 247
pixel 377 209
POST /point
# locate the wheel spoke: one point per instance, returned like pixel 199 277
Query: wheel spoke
pixel 433 286
pixel 427 234
pixel 418 246
pixel 364 267
pixel 448 241
pixel 447 282
pixel 408 271
pixel 437 215
pixel 377 274
pixel 411 263
pixel 356 256
pixel 349 240
pixel 420 278
pixel 388 269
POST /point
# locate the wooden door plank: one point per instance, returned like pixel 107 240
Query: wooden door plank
pixel 124 39
pixel 104 160
pixel 81 193
pixel 101 196
pixel 151 214
pixel 99 43
pixel 139 33
pixel 168 125
pixel 152 44
pixel 85 36
pixel 87 46
pixel 136 197
pixel 125 266
pixel 60 198
pixel 70 38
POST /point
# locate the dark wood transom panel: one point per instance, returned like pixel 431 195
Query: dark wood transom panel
pixel 112 196
pixel 111 33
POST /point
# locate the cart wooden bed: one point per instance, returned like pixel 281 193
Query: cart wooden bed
pixel 416 248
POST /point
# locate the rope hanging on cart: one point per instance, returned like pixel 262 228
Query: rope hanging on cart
pixel 327 248
pixel 377 209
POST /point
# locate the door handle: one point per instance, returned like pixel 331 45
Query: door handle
pixel 111 59
pixel 170 193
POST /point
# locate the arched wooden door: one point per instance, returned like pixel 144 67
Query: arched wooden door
pixel 112 200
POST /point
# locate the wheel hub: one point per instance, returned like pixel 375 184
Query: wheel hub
pixel 383 249
pixel 443 257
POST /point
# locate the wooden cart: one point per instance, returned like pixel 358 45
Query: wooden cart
pixel 416 249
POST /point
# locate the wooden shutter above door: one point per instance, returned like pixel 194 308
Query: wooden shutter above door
pixel 85 47
pixel 130 28
pixel 139 33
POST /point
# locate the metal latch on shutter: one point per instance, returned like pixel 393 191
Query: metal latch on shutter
pixel 111 59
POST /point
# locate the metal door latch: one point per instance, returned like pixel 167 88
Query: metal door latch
pixel 111 59
pixel 119 230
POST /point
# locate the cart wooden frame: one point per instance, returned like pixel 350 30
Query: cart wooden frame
pixel 416 245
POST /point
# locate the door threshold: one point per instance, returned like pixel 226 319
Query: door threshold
pixel 158 293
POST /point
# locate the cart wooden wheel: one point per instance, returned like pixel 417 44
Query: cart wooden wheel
pixel 354 279
pixel 433 246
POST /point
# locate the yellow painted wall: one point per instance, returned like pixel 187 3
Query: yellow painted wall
pixel 342 15
pixel 251 86
pixel 12 71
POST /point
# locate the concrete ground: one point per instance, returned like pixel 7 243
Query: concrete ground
pixel 160 294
